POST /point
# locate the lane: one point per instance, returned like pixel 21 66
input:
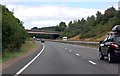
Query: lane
pixel 59 58
pixel 27 65
pixel 91 54
pixel 88 53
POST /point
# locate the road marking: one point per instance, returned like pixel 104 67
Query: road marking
pixel 77 54
pixel 65 48
pixel 83 57
pixel 92 62
pixel 21 70
pixel 70 50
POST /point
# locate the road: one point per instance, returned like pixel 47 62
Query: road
pixel 60 58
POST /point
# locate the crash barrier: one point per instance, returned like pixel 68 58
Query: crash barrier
pixel 94 44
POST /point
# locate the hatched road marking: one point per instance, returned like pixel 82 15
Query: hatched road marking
pixel 77 54
pixel 92 62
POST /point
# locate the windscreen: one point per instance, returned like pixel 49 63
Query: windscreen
pixel 116 28
pixel 117 39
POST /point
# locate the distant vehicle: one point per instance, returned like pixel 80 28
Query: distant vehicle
pixel 38 39
pixel 110 47
pixel 64 38
pixel 34 38
pixel 42 41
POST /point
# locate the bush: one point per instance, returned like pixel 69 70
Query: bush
pixel 13 32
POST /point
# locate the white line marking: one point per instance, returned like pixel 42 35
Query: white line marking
pixel 92 62
pixel 65 48
pixel 83 57
pixel 77 54
pixel 21 70
pixel 70 50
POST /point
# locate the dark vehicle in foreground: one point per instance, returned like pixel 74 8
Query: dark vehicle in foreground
pixel 110 47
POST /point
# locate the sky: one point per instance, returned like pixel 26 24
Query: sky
pixel 51 13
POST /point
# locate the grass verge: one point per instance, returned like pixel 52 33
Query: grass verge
pixel 27 46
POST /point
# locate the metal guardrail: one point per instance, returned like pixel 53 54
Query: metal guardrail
pixel 78 42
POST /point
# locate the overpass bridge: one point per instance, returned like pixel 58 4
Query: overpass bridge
pixel 42 32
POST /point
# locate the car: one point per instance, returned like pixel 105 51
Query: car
pixel 38 39
pixel 110 47
pixel 42 41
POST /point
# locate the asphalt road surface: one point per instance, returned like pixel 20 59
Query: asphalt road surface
pixel 60 58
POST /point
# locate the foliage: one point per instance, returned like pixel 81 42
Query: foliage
pixel 13 32
pixel 92 27
pixel 25 48
pixel 58 28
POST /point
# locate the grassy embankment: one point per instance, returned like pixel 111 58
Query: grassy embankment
pixel 0 52
pixel 26 47
pixel 77 38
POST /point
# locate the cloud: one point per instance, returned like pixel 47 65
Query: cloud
pixel 43 16
pixel 116 6
pixel 60 1
pixel 53 12
pixel 47 22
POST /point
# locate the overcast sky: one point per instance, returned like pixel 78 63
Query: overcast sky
pixel 44 14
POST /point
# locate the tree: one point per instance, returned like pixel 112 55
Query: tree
pixel 62 26
pixel 70 24
pixel 99 17
pixel 82 24
pixel 109 13
pixel 13 33
pixel 34 28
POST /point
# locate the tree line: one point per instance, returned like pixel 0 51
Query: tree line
pixel 58 28
pixel 13 32
pixel 94 26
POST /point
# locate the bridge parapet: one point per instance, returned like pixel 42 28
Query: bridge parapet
pixel 42 32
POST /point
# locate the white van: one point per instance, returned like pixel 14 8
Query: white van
pixel 64 38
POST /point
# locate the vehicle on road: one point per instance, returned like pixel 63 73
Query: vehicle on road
pixel 110 47
pixel 38 39
pixel 42 41
pixel 64 38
